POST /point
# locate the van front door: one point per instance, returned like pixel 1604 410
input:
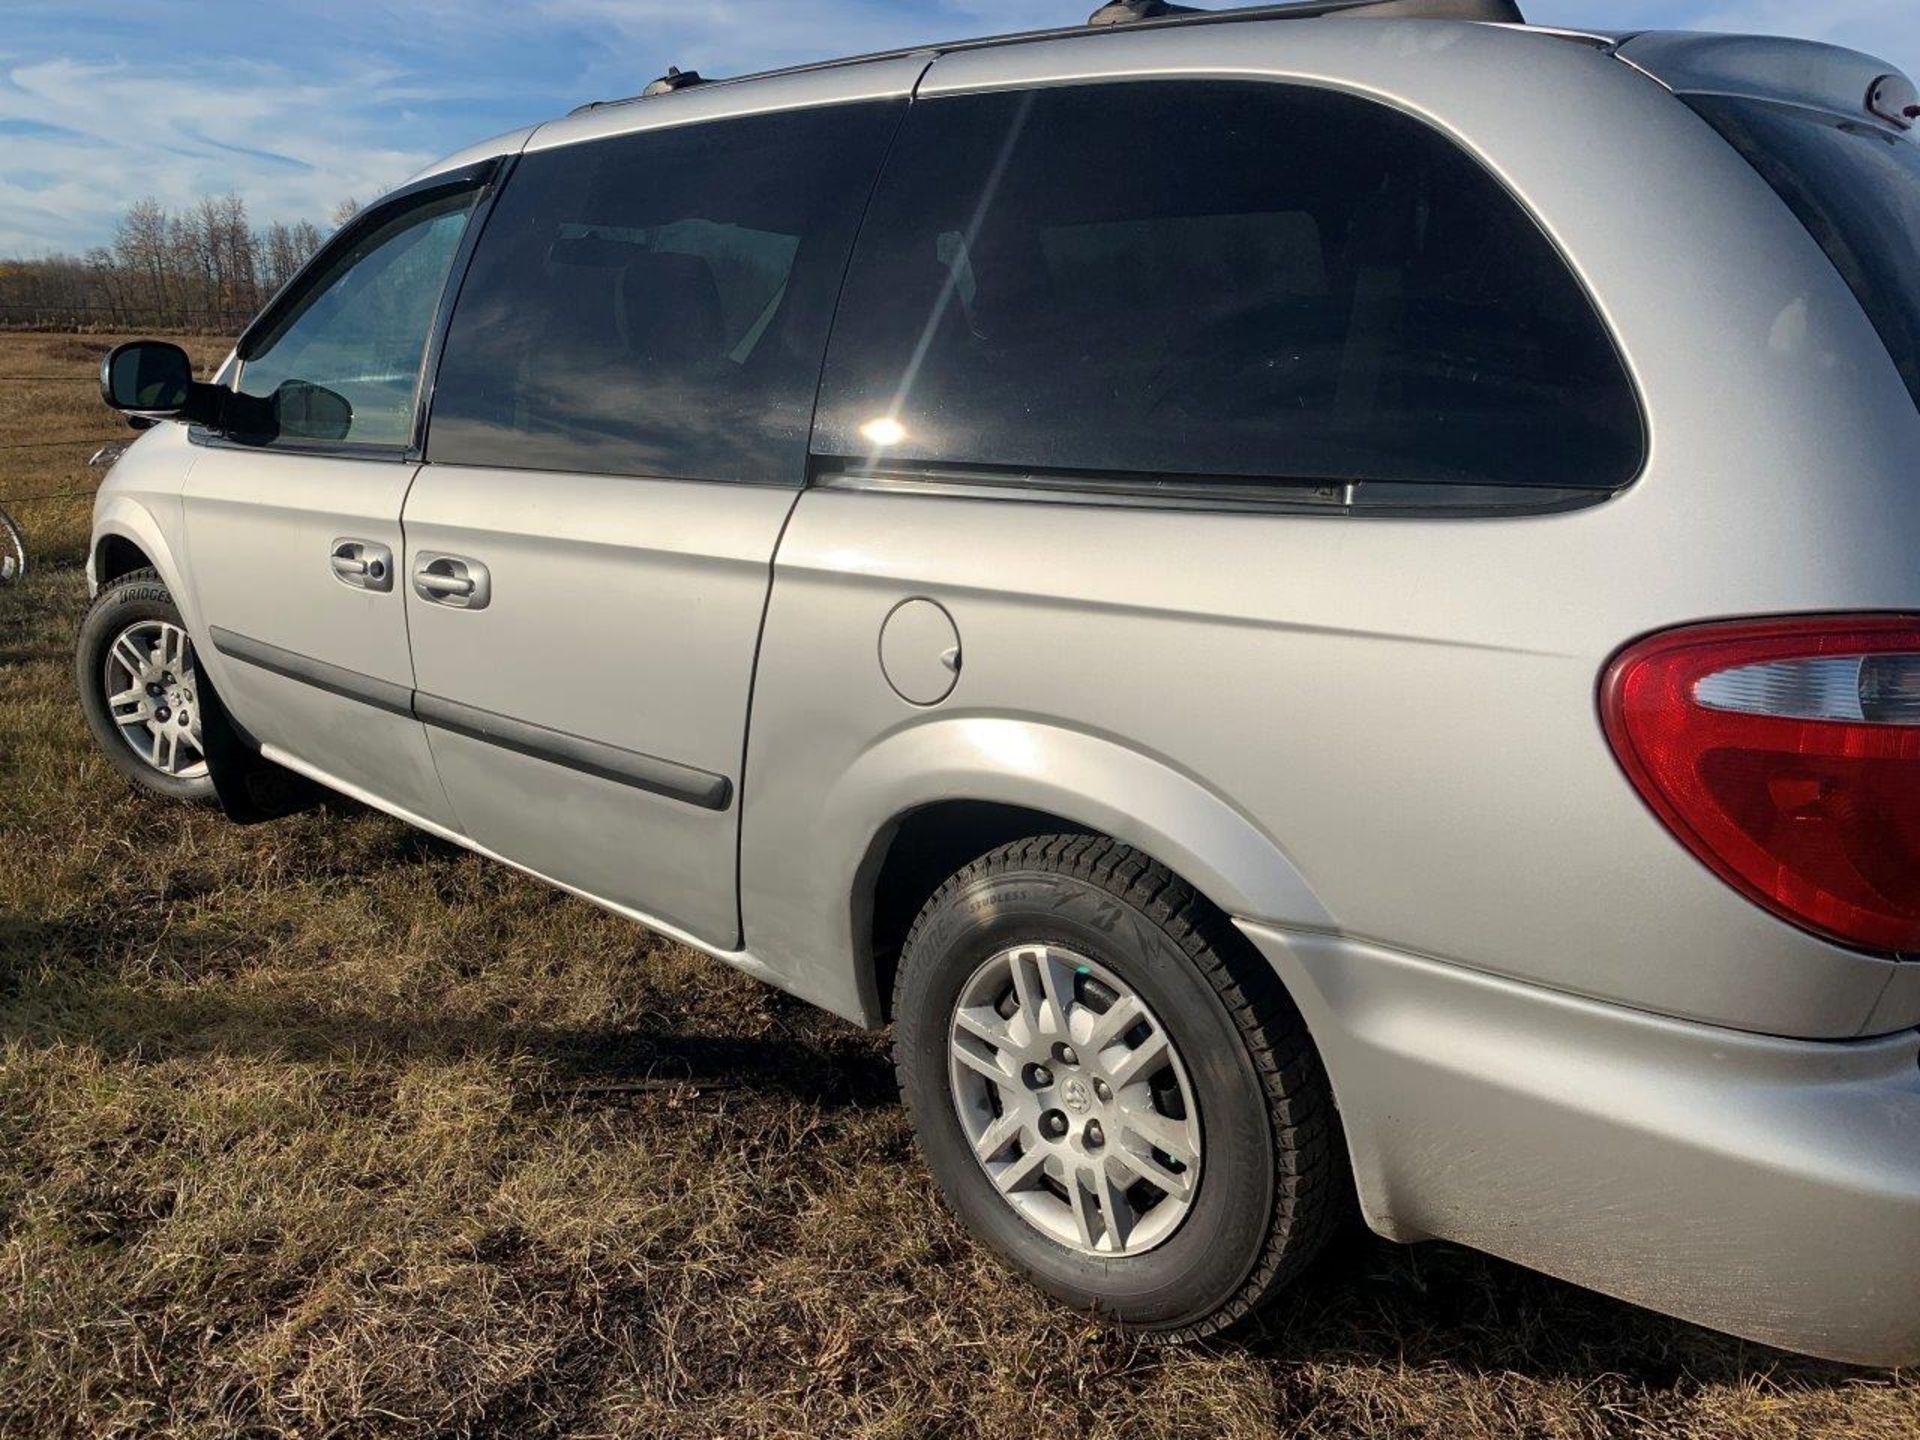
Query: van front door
pixel 293 516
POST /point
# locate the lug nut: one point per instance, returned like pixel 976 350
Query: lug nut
pixel 1053 1124
pixel 163 714
pixel 1096 1137
pixel 153 689
pixel 184 717
pixel 1038 1077
pixel 1103 1090
pixel 1064 1054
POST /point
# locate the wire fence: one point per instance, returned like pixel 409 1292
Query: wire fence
pixel 96 446
pixel 18 500
pixel 85 318
pixel 92 444
pixel 56 444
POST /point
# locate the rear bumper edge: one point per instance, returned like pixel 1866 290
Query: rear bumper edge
pixel 1766 1187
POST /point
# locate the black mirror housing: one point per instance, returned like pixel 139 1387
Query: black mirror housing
pixel 153 380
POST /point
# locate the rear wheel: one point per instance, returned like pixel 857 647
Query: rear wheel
pixel 139 688
pixel 1111 1091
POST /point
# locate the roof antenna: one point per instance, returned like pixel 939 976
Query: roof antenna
pixel 1126 12
pixel 674 79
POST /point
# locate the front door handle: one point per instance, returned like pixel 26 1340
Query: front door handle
pixel 363 564
pixel 451 580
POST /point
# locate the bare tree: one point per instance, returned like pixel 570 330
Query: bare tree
pixel 142 255
pixel 205 268
pixel 282 249
pixel 110 283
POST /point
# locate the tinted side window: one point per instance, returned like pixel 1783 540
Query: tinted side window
pixel 342 362
pixel 1229 280
pixel 658 303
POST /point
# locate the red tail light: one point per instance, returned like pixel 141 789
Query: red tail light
pixel 1785 754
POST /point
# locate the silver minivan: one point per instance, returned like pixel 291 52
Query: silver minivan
pixel 1320 606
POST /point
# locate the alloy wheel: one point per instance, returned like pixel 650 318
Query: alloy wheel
pixel 153 696
pixel 1075 1100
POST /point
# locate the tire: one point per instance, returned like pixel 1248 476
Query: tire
pixel 1268 1178
pixel 140 603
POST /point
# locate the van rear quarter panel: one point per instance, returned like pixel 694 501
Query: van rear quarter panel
pixel 1403 710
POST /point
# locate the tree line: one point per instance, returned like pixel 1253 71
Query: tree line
pixel 206 268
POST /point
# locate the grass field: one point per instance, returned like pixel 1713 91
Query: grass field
pixel 323 1128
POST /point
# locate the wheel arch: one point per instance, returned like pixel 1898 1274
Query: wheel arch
pixel 955 789
pixel 127 537
pixel 114 555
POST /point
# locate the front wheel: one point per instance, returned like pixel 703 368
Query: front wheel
pixel 1112 1092
pixel 139 688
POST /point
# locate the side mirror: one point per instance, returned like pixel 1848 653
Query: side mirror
pixel 147 377
pixel 311 412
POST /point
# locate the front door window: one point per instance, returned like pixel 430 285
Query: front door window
pixel 341 362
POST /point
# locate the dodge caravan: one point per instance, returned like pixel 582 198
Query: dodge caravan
pixel 1319 606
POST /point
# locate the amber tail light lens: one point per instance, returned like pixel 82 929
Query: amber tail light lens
pixel 1785 754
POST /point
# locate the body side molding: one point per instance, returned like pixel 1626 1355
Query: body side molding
pixel 335 679
pixel 592 757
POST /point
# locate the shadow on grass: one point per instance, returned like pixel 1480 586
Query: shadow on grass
pixel 1441 1307
pixel 824 1061
pixel 1367 1304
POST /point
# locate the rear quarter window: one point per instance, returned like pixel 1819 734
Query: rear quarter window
pixel 1211 286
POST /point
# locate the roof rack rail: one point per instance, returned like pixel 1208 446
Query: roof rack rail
pixel 1146 13
pixel 1127 12
pixel 674 79
pixel 1132 12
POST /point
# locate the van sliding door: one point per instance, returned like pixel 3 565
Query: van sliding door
pixel 619 432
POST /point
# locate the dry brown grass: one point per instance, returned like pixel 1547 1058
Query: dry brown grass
pixel 326 1129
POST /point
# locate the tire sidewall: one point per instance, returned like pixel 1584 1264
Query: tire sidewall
pixel 1204 1263
pixel 119 604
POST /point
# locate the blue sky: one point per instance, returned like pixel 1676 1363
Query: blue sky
pixel 296 107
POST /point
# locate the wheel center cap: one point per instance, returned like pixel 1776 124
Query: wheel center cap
pixel 1078 1097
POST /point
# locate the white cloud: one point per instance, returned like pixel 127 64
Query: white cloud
pixel 83 139
pixel 301 123
pixel 101 102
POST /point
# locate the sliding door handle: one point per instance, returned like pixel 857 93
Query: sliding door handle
pixel 444 586
pixel 363 564
pixel 451 580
